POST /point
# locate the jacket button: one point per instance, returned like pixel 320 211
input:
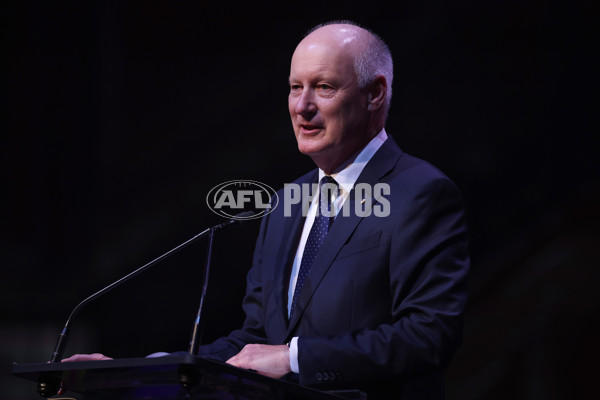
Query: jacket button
pixel 319 376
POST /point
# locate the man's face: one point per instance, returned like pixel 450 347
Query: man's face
pixel 328 109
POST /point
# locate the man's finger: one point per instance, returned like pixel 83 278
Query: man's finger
pixel 86 357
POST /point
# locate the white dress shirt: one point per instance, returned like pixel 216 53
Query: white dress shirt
pixel 346 176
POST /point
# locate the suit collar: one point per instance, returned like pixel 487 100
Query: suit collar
pixel 347 174
pixel 382 162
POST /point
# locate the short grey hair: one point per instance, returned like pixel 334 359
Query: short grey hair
pixel 373 60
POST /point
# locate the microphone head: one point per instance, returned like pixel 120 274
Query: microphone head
pixel 237 219
pixel 243 217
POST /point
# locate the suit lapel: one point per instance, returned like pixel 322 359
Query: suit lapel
pixel 345 223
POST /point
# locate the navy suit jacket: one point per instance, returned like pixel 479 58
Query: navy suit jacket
pixel 382 307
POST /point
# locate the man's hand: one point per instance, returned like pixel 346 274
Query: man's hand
pixel 269 360
pixel 86 357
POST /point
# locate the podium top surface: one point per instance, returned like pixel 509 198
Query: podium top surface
pixel 133 378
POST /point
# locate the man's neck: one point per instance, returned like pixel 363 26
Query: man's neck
pixel 330 168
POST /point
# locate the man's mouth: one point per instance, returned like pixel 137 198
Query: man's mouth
pixel 309 129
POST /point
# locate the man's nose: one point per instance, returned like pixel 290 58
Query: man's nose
pixel 306 105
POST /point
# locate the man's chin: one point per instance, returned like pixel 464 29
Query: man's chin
pixel 310 151
pixel 312 146
pixel 320 157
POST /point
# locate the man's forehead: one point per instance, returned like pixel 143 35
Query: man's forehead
pixel 320 61
pixel 323 53
pixel 329 50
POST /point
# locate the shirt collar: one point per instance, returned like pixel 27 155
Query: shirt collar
pixel 352 168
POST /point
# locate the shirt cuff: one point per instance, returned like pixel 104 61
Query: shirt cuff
pixel 158 354
pixel 294 355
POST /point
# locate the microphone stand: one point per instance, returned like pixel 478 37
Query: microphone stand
pixel 48 389
pixel 195 341
pixel 64 335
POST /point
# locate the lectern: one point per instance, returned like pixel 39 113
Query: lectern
pixel 181 376
pixel 170 377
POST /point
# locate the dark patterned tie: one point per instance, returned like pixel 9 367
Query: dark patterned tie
pixel 323 219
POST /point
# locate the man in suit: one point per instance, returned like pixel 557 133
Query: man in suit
pixel 367 290
pixel 381 306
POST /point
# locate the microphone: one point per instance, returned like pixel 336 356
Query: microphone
pixel 61 343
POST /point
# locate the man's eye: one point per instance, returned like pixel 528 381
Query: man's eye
pixel 325 89
pixel 295 87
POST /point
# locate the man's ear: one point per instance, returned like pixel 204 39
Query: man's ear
pixel 377 93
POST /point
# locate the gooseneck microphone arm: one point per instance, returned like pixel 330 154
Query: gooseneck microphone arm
pixel 195 341
pixel 61 344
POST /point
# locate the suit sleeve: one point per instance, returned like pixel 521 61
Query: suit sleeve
pixel 428 265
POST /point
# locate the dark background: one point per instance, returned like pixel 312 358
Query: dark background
pixel 119 117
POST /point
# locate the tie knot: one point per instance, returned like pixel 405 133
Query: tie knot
pixel 328 193
pixel 327 179
pixel 329 189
